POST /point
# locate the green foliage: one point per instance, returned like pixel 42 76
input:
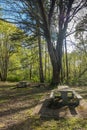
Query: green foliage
pixel 13 78
pixel 23 57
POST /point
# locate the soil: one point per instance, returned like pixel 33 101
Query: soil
pixel 22 104
pixel 61 111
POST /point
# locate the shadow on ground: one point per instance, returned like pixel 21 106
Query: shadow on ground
pixel 15 113
pixel 56 111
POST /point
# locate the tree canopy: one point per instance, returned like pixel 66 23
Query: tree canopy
pixel 51 20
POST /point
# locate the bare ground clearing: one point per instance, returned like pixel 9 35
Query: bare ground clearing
pixel 19 108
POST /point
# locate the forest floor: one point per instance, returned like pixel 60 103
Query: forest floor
pixel 22 108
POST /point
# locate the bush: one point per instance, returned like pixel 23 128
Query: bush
pixel 13 78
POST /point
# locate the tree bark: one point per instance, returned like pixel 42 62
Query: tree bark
pixel 4 69
pixel 40 56
pixel 40 61
pixel 30 73
pixel 45 65
pixel 55 53
pixel 67 73
pixel 4 63
pixel 56 60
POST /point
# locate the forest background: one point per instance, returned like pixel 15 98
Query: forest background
pixel 24 44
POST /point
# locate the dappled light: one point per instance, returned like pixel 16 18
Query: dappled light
pixel 43 64
pixel 31 108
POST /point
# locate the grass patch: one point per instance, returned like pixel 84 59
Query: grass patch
pixel 17 105
pixel 63 124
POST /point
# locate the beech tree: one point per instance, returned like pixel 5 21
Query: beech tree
pixel 53 17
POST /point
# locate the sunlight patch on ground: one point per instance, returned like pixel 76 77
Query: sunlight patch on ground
pixel 17 113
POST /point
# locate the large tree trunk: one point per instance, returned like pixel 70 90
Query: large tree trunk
pixel 56 59
pixel 55 53
pixel 56 75
pixel 57 65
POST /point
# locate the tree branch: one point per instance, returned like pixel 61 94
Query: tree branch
pixel 51 11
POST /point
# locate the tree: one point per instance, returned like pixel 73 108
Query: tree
pixel 40 54
pixel 33 11
pixel 81 45
pixel 7 46
pixel 81 35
